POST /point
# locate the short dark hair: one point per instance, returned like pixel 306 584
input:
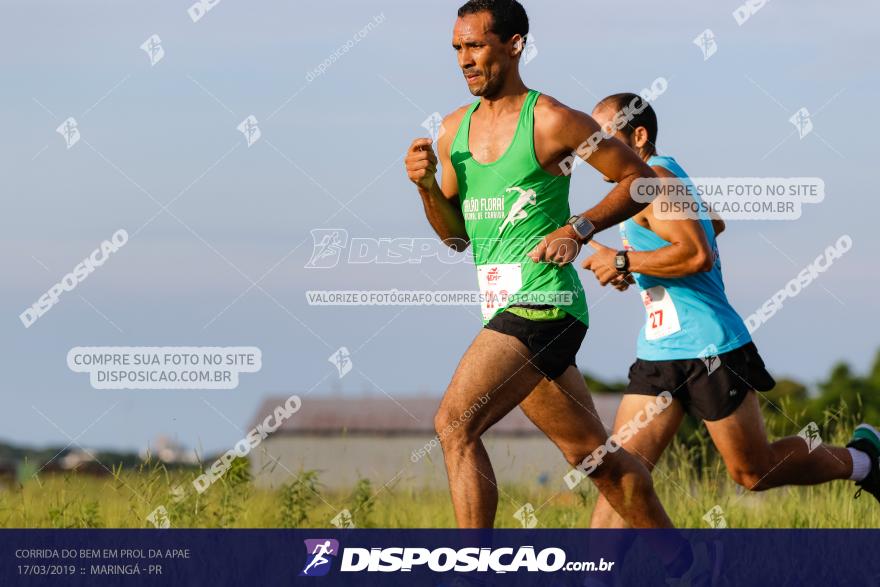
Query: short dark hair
pixel 508 16
pixel 646 118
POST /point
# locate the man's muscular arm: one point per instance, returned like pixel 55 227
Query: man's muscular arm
pixel 441 203
pixel 565 131
pixel 610 157
pixel 687 253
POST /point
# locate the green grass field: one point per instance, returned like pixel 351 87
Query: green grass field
pixel 690 480
pixel 688 492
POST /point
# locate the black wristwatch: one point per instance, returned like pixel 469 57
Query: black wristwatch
pixel 621 262
pixel 583 228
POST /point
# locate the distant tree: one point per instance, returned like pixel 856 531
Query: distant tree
pixel 784 407
pixel 595 384
pixel 843 397
pixel 787 389
pixel 874 374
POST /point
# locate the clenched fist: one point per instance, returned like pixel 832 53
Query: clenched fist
pixel 601 263
pixel 560 247
pixel 421 163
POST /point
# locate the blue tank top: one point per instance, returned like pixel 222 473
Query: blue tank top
pixel 687 317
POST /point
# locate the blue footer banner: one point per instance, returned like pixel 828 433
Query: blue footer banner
pixel 326 558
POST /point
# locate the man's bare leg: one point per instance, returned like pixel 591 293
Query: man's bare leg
pixel 647 446
pixel 492 378
pixel 564 411
pixel 741 439
pixel 757 465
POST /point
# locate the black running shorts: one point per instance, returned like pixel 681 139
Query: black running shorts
pixel 708 389
pixel 553 343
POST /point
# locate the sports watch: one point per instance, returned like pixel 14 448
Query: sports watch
pixel 583 228
pixel 621 261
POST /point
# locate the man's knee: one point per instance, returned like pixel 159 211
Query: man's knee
pixel 572 456
pixel 584 455
pixel 750 478
pixel 442 421
pixel 578 456
pixel 599 464
pixel 451 428
pixel 617 466
pixel 750 470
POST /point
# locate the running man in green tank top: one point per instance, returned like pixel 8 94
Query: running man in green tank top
pixel 503 192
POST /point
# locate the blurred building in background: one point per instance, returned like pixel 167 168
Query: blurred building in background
pixel 392 441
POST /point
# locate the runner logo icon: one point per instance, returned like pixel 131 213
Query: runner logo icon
pixel 321 552
pixel 517 211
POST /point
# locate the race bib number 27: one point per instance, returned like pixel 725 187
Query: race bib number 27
pixel 497 284
pixel 662 318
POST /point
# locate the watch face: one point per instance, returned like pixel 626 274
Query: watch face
pixel 582 226
pixel 588 228
pixel 619 262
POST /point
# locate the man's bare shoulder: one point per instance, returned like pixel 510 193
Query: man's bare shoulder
pixel 552 112
pixel 450 125
pixel 452 120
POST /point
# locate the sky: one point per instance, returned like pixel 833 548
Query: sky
pixel 221 231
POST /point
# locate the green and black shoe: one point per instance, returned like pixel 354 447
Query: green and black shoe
pixel 866 438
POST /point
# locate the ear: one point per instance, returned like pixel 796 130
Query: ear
pixel 640 137
pixel 519 44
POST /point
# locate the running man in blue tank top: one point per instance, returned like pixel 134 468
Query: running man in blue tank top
pixel 695 346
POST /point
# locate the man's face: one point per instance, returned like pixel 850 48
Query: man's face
pixel 483 58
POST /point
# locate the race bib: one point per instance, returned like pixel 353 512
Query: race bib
pixel 497 284
pixel 662 319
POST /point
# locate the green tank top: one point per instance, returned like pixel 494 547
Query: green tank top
pixel 509 205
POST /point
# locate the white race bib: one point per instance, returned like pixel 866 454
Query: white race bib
pixel 662 319
pixel 497 284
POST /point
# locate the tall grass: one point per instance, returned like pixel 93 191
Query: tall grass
pixel 690 480
pixel 87 502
